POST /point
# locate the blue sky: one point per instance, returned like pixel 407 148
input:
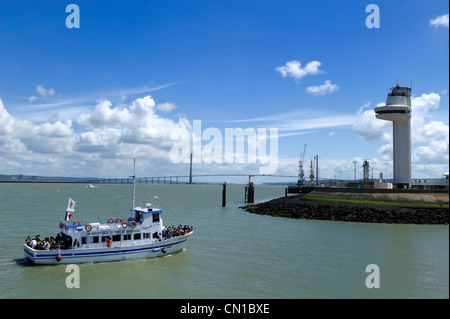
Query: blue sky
pixel 68 96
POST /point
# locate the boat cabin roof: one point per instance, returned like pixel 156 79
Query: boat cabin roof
pixel 147 210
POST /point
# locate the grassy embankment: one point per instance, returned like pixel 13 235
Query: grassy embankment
pixel 373 202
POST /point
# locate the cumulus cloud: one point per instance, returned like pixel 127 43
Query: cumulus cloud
pixel 323 89
pixel 371 128
pixel 136 124
pixel 435 152
pixel 386 152
pixel 440 21
pixel 108 134
pixel 294 69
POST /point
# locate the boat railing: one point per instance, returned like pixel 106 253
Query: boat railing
pixel 81 225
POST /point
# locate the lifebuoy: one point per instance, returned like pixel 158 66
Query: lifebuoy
pixel 133 224
pixel 77 223
pixel 111 221
pixel 88 227
pixel 118 220
pixel 125 224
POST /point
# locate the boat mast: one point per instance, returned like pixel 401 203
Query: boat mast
pixel 134 188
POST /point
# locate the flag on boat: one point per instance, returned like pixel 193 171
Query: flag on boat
pixel 68 216
pixel 70 209
pixel 71 205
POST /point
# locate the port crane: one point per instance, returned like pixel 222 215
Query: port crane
pixel 301 186
pixel 301 173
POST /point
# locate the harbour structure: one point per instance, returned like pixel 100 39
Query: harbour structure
pixel 398 110
pixel 366 168
pixel 431 183
pixel 302 185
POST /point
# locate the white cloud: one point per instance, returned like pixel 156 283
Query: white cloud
pixel 31 99
pixel 386 152
pixel 166 107
pixel 440 21
pixel 435 150
pixel 136 124
pixel 104 115
pixel 43 92
pixel 371 128
pixel 323 89
pixel 294 69
pixel 302 121
pixel 6 121
pixel 108 135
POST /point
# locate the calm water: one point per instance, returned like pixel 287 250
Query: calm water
pixel 233 254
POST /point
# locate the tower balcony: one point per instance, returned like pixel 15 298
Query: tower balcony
pixel 393 113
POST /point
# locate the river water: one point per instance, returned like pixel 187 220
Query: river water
pixel 232 254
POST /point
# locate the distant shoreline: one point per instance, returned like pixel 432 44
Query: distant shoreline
pixel 43 181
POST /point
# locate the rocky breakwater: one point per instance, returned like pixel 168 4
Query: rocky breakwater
pixel 314 207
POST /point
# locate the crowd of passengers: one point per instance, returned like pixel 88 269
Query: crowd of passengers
pixel 48 243
pixel 55 243
pixel 173 231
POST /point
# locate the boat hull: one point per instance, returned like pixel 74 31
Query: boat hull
pixel 79 256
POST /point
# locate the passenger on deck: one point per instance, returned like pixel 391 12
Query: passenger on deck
pixel 171 231
pixel 76 244
pixel 108 241
pixel 53 244
pixel 46 244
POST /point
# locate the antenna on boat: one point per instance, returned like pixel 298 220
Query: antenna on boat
pixel 134 187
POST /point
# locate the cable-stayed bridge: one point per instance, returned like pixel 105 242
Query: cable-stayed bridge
pixel 176 179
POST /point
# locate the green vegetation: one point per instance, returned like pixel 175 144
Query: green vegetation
pixel 373 202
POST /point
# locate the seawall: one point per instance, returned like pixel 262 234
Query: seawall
pixel 408 209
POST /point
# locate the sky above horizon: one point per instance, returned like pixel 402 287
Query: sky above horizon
pixel 86 101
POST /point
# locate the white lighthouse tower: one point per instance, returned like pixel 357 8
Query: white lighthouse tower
pixel 398 110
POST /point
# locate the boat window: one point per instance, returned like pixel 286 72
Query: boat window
pixel 137 236
pixel 116 237
pixel 94 239
pixel 127 237
pixel 83 240
pixel 155 217
pixel 155 234
pixel 146 235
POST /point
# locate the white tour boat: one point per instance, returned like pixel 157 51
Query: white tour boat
pixel 141 236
